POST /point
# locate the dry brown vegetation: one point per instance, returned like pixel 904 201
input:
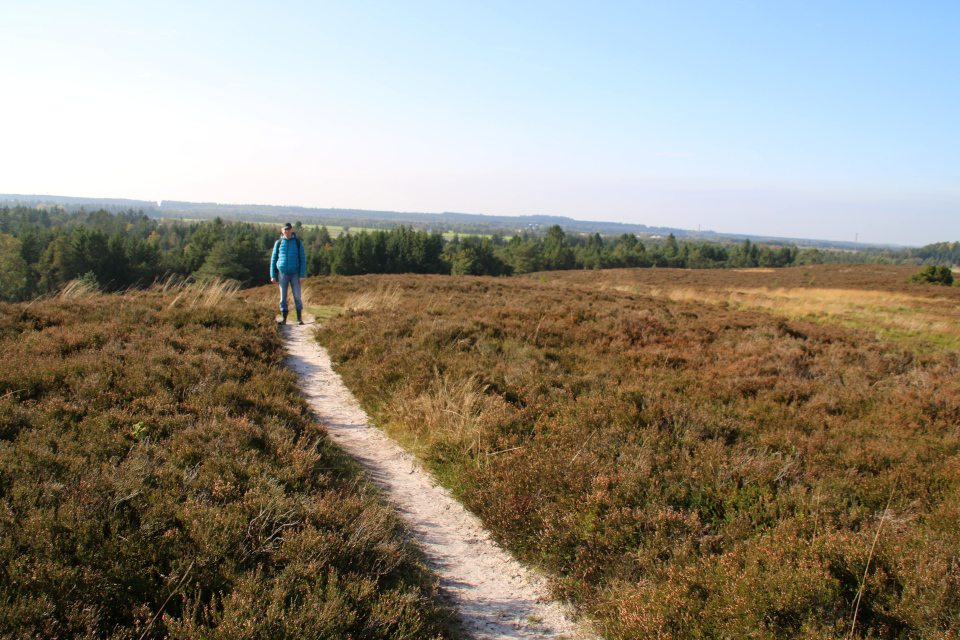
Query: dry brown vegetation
pixel 696 465
pixel 874 297
pixel 160 476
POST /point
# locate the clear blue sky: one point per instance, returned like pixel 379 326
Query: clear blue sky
pixel 788 118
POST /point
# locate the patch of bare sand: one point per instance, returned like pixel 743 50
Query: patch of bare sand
pixel 495 596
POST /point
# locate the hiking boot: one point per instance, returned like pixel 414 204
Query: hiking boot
pixel 299 317
pixel 284 321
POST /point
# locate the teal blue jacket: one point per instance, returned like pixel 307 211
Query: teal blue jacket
pixel 288 257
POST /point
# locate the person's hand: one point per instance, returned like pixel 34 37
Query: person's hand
pixel 273 280
pixel 301 280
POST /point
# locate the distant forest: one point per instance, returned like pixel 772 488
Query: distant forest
pixel 447 222
pixel 43 249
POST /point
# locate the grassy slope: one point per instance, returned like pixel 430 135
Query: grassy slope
pixel 873 297
pixel 685 468
pixel 160 474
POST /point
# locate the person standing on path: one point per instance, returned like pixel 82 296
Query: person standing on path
pixel 288 265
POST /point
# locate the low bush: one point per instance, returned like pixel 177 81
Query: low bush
pixel 161 476
pixel 933 275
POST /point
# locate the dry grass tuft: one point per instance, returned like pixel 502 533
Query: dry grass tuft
pixel 382 299
pixel 78 289
pixel 448 415
pixel 209 293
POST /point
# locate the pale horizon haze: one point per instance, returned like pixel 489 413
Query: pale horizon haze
pixel 824 120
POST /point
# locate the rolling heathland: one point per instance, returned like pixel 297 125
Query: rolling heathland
pixel 773 453
pixel 161 476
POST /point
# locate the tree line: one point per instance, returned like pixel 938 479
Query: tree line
pixel 41 250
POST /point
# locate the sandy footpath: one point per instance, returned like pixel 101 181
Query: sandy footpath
pixel 495 596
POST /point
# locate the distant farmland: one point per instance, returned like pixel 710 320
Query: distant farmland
pixel 772 453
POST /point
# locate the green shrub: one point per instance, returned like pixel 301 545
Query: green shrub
pixel 933 275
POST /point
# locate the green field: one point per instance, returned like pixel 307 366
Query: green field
pixel 336 230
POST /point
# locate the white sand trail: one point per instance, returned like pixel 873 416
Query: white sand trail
pixel 495 596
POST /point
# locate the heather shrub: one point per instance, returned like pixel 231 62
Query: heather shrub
pixel 160 475
pixel 682 468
